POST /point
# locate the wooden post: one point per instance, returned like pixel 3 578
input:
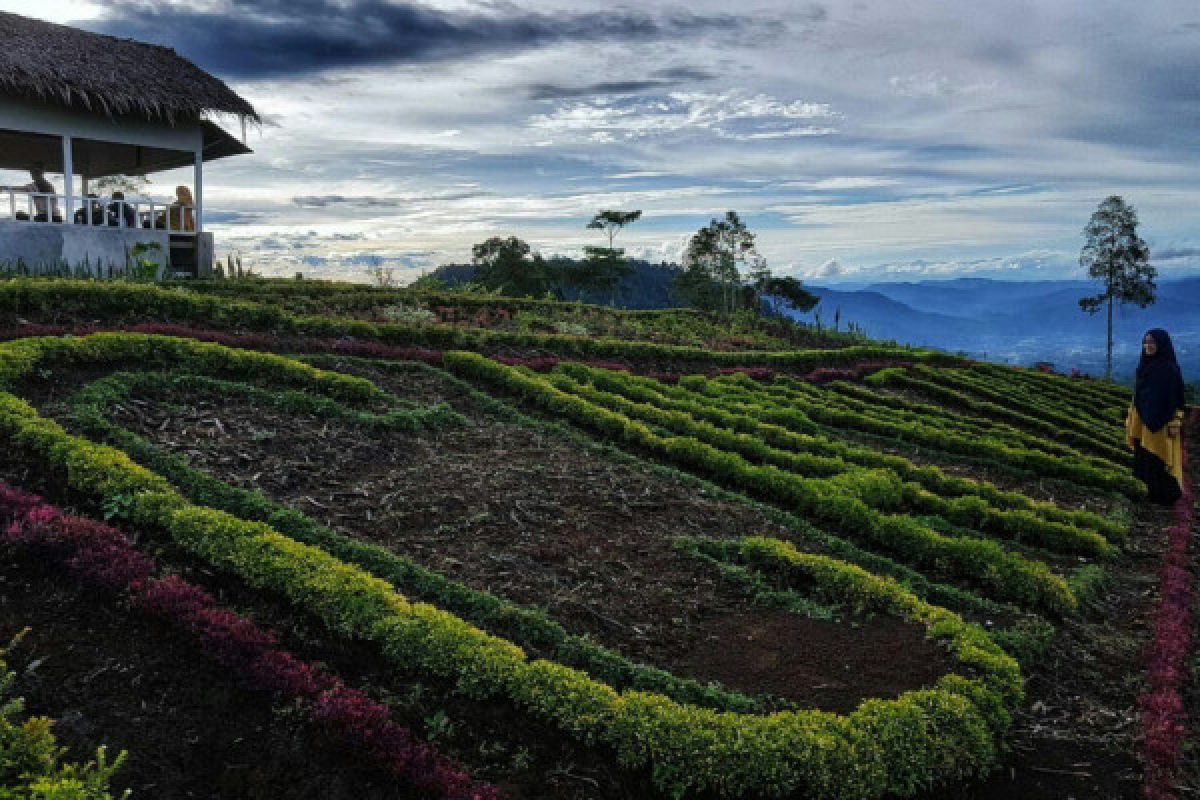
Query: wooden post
pixel 199 198
pixel 68 183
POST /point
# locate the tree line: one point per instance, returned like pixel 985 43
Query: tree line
pixel 722 270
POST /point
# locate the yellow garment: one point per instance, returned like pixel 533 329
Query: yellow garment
pixel 1169 449
pixel 182 218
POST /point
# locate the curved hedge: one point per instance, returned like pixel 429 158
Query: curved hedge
pixel 1007 514
pixel 834 501
pixel 901 746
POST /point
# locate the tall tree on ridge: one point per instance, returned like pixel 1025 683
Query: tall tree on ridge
pixel 1115 254
pixel 607 265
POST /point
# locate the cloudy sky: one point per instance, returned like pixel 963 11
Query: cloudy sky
pixel 891 139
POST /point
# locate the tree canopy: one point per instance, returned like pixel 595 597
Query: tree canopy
pixel 713 279
pixel 506 264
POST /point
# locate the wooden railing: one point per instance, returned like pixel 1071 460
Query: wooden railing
pixel 46 207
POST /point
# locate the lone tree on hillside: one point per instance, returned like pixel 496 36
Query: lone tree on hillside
pixel 606 266
pixel 505 264
pixel 788 292
pixel 611 222
pixel 1115 254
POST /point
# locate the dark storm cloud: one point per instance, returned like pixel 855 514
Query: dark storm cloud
pixel 374 201
pixel 276 38
pixel 551 91
pixel 1175 253
pixel 661 79
pixel 685 74
pixel 231 217
pixel 327 200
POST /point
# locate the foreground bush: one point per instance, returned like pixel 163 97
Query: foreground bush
pixel 31 761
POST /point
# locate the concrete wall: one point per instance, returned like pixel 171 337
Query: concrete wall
pixel 47 247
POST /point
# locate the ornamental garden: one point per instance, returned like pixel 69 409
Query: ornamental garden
pixel 290 538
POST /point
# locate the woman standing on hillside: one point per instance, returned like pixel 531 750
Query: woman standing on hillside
pixel 1152 426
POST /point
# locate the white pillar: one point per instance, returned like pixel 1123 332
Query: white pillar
pixel 68 181
pixel 199 198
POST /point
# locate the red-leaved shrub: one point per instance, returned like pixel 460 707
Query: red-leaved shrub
pixel 104 558
pixel 1163 717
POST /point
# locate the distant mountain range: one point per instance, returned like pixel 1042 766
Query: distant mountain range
pixel 1017 322
pixel 1013 322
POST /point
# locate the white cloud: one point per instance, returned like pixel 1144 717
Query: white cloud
pixel 889 134
pixel 734 114
pixel 841 183
pixel 830 269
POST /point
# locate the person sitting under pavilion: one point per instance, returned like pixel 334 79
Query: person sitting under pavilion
pixel 92 213
pixel 45 203
pixel 119 211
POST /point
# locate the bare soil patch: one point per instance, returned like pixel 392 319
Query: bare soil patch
pixel 529 517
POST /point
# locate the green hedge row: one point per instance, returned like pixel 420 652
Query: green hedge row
pixel 829 501
pixel 820 455
pixel 1067 420
pixel 1106 393
pixel 947 733
pixel 1078 469
pixel 143 350
pixel 1027 387
pixel 890 403
pixel 90 413
pixel 323 297
pixel 888 408
pixel 970 511
pixel 122 301
pixel 928 386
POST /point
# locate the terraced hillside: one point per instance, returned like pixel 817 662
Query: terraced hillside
pixel 445 554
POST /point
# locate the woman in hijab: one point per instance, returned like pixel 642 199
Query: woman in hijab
pixel 1152 426
pixel 181 211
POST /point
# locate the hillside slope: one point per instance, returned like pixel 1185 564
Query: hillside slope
pixel 649 557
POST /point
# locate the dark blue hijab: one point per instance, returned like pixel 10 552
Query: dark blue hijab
pixel 1158 393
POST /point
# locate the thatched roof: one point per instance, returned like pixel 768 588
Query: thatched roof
pixel 105 74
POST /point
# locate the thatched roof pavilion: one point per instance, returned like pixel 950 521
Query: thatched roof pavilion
pixel 87 104
pixel 67 66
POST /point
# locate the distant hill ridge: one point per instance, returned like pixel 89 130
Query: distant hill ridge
pixel 1016 322
pixel 1019 322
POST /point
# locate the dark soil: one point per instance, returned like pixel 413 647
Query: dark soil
pixel 111 677
pixel 527 516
